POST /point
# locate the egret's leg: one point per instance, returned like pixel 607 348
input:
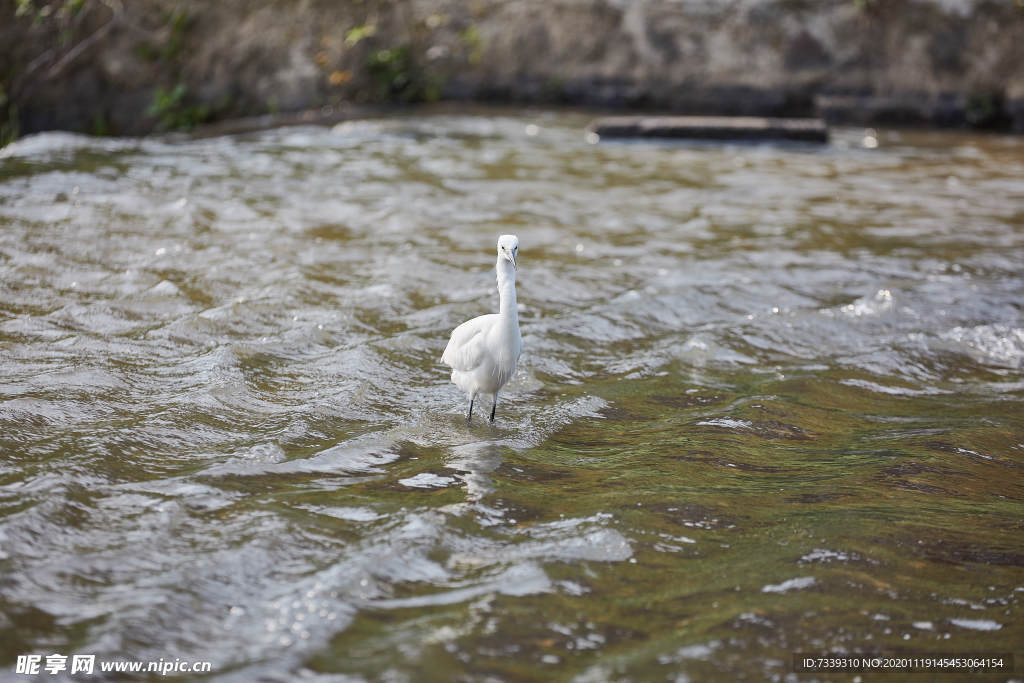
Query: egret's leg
pixel 470 416
pixel 494 405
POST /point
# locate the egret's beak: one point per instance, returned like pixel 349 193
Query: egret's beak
pixel 511 256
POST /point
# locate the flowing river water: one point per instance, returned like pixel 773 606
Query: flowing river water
pixel 770 401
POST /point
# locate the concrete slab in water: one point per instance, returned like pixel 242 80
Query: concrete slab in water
pixel 712 128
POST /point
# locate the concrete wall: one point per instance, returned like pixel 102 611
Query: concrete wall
pixel 946 62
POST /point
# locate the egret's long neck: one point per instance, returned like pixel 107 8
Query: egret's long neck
pixel 507 291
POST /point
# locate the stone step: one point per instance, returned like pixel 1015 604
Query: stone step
pixel 711 128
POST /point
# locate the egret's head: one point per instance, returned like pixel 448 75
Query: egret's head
pixel 508 248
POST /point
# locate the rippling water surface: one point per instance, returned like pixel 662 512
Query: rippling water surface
pixel 770 401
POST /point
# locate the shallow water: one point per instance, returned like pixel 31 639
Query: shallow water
pixel 770 401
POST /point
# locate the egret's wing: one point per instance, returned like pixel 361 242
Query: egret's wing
pixel 465 350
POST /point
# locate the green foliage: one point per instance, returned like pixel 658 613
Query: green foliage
pixel 178 23
pixel 99 127
pixel 171 108
pixel 984 109
pixel 553 89
pixel 9 128
pixel 473 42
pixel 400 78
pixel 359 32
pixel 173 113
pixel 58 10
pixel 865 5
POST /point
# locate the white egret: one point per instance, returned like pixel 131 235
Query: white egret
pixel 483 352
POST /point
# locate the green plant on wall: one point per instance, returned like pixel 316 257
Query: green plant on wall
pixel 58 10
pixel 984 109
pixel 357 34
pixel 176 23
pixel 399 77
pixel 172 108
pixel 473 43
pixel 8 119
pixel 171 111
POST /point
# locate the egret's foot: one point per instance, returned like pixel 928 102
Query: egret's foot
pixel 469 417
pixel 493 407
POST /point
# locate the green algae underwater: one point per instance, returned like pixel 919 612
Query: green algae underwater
pixel 769 402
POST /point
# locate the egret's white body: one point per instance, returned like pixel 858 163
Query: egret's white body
pixel 483 352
